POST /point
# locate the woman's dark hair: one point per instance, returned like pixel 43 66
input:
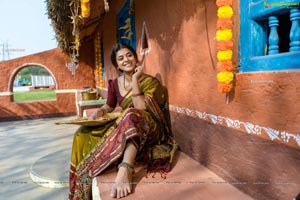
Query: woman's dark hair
pixel 116 48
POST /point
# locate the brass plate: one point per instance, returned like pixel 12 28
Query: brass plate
pixel 98 122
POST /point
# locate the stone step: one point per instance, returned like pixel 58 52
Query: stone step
pixel 187 180
pixel 52 170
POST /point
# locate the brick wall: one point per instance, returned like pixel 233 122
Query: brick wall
pixel 67 84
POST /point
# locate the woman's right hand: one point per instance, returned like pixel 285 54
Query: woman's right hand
pixel 138 72
pixel 96 114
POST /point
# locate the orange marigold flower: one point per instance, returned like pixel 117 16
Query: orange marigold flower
pixel 224 45
pixel 224 3
pixel 225 66
pixel 225 87
pixel 224 23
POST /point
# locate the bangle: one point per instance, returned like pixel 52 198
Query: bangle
pixel 136 95
pixel 103 112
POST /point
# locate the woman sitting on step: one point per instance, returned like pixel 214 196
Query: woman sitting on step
pixel 140 133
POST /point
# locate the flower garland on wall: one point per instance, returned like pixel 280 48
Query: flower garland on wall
pixel 85 8
pixel 225 75
pixel 98 62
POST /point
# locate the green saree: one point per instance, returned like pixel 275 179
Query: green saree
pixel 96 148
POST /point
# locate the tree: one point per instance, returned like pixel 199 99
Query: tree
pixel 26 72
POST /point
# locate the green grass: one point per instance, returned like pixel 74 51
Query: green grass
pixel 35 95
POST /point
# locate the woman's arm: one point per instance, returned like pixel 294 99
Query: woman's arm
pixel 138 98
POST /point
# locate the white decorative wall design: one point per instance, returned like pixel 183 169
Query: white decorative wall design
pixel 247 126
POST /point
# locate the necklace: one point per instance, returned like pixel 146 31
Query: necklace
pixel 128 87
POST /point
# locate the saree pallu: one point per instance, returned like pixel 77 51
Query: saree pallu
pixel 96 148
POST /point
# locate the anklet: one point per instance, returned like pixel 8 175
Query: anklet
pixel 126 165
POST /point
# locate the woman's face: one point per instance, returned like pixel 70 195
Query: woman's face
pixel 126 60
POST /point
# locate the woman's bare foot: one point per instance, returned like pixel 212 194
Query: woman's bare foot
pixel 123 183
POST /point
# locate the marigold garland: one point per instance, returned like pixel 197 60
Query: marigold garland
pixel 224 34
pixel 224 55
pixel 225 66
pixel 225 45
pixel 85 8
pixel 224 23
pixel 98 62
pixel 225 87
pixel 224 3
pixel 225 12
pixel 225 75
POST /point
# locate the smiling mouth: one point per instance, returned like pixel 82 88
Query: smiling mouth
pixel 127 64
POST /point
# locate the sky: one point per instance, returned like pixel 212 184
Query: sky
pixel 24 28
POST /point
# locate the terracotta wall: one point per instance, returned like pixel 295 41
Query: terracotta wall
pixel 231 136
pixel 247 137
pixel 67 84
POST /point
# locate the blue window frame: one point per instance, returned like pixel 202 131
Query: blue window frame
pixel 269 35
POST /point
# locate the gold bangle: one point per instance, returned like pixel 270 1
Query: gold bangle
pixel 136 95
pixel 103 112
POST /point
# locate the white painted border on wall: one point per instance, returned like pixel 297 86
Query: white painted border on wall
pixel 250 128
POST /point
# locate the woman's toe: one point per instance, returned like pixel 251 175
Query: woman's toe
pixel 113 192
pixel 128 190
pixel 120 193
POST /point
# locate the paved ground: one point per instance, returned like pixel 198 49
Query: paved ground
pixel 26 144
pixel 41 149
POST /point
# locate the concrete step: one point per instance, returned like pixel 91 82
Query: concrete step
pixel 187 180
pixel 52 170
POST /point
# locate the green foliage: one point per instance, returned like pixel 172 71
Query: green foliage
pixel 26 73
pixel 35 95
pixel 34 70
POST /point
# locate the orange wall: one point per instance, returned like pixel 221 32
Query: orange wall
pixel 241 138
pixel 183 55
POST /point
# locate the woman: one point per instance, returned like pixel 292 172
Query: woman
pixel 139 132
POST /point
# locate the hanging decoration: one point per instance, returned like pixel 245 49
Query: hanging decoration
pixel 99 70
pixel 225 67
pixel 73 65
pixel 106 6
pixel 75 31
pixel 74 55
pixel 85 8
pixel 126 24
